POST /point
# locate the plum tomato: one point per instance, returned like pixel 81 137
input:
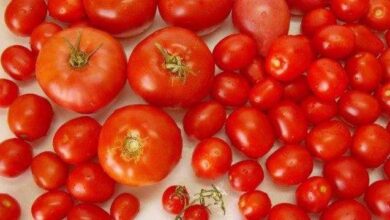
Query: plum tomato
pixel 125 206
pixel 15 157
pixel 66 10
pixel 377 198
pixel 88 211
pixel 41 34
pixel 304 6
pixel 9 207
pixel 317 110
pixel 254 205
pixel 287 211
pixel 378 16
pixel 366 40
pixel 255 72
pixel 384 59
pixel 250 131
pixel 52 205
pixel 9 91
pixel 314 194
pixel 175 199
pixel 346 209
pixel 246 175
pixel 196 212
pixel 316 19
pixel 266 94
pixel 383 95
pixel 297 90
pixel 386 168
pixel 18 62
pixel 349 10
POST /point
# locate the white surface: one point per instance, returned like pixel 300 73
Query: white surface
pixel 25 191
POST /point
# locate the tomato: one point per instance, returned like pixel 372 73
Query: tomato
pixel 383 95
pixel 88 212
pixel 366 40
pixel 211 158
pixel 122 18
pixel 175 199
pixel 124 207
pixel 9 207
pixel 327 79
pixel 66 11
pixel 52 205
pixel 254 205
pixel 65 72
pixel 171 67
pixel 384 59
pixel 204 120
pixel 349 10
pixel 230 89
pixel 377 198
pixel 22 16
pixel 76 141
pixel 15 157
pixel 378 16
pixel 287 211
pixel 18 62
pixel 245 175
pixel 30 117
pixel 298 6
pixel 250 132
pixel 371 145
pixel 264 20
pixel 89 183
pixel 254 72
pixel 196 212
pixel 316 19
pixel 359 108
pixel 41 34
pixel 317 110
pixel 314 194
pixel 139 145
pixel 49 171
pixel 289 122
pixel 386 168
pixel 297 90
pixel 288 57
pixel 346 209
pixel 348 177
pixel 266 94
pixel 334 41
pixel 387 37
pixel 329 140
pixel 9 91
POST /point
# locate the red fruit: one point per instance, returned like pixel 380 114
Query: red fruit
pixel 18 62
pixel 349 10
pixel 378 16
pixel 175 199
pixel 346 209
pixel 314 194
pixel 245 175
pixel 287 211
pixel 255 72
pixel 317 110
pixel 9 91
pixel 15 157
pixel 297 89
pixel 254 205
pixel 366 40
pixel 230 89
pixel 383 95
pixel 266 94
pixel 377 198
pixel 9 207
pixel 52 205
pixel 316 19
pixel 125 206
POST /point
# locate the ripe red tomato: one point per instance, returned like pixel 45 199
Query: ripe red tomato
pixel 66 10
pixel 52 205
pixel 124 207
pixel 22 16
pixel 41 34
pixel 18 62
pixel 254 72
pixel 250 132
pixel 317 110
pixel 175 199
pixel 49 171
pixel 266 94
pixel 88 211
pixel 9 207
pixel 287 211
pixel 204 120
pixel 15 157
pixel 264 20
pixel 9 91
pixel 89 183
pixel 211 158
pixel 203 17
pixel 139 145
pixel 297 90
pixel 245 175
pixel 230 89
pixel 327 79
pixel 384 59
pixel 121 18
pixel 64 72
pixel 196 212
pixel 76 141
pixel 386 168
pixel 288 57
pixel 387 37
pixel 329 140
pixel 316 19
pixel 171 67
pixel 254 205
pixel 383 95
pixel 314 194
pixel 30 117
pixel 378 16
pixel 366 40
pixel 348 177
pixel 349 10
pixel 346 209
pixel 298 6
pixel 377 198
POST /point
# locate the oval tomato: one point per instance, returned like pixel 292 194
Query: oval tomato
pixel 287 211
pixel 377 198
pixel 52 205
pixel 125 206
pixel 18 62
pixel 346 209
pixel 366 40
pixel 245 175
pixel 254 205
pixel 266 94
pixel 15 157
pixel 9 91
pixel 317 110
pixel 41 34
pixel 314 194
pixel 9 207
pixel 87 211
pixel 349 10
pixel 66 10
pixel 175 199
pixel 316 19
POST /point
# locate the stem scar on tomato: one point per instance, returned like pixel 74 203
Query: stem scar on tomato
pixel 132 147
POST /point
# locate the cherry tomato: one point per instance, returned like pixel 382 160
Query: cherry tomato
pixel 384 59
pixel 317 110
pixel 254 72
pixel 124 207
pixel 49 171
pixel 383 95
pixel 254 205
pixel 15 157
pixel 52 205
pixel 346 209
pixel 18 62
pixel 266 94
pixel 89 183
pixel 386 168
pixel 76 141
pixel 245 175
pixel 66 10
pixel 88 212
pixel 9 207
pixel 349 10
pixel 22 16
pixel 287 211
pixel 366 40
pixel 297 90
pixel 41 34
pixel 9 91
pixel 377 198
pixel 230 89
pixel 175 199
pixel 299 6
pixel 378 16
pixel 196 212
pixel 316 19
pixel 250 132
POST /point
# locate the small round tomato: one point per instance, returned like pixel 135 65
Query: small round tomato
pixel 378 16
pixel 386 168
pixel 314 194
pixel 9 91
pixel 76 141
pixel 49 171
pixel 384 59
pixel 287 211
pixel 89 183
pixel 254 205
pixel 15 157
pixel 9 207
pixel 266 94
pixel 317 110
pixel 66 10
pixel 196 212
pixel 316 19
pixel 87 211
pixel 30 117
pixel 349 10
pixel 52 205
pixel 41 34
pixel 175 199
pixel 125 206
pixel 254 72
pixel 297 90
pixel 22 16
pixel 250 131
pixel 377 198
pixel 230 89
pixel 329 140
pixel 246 175
pixel 349 178
pixel 383 95
pixel 346 209
pixel 366 40
pixel 288 57
pixel 18 62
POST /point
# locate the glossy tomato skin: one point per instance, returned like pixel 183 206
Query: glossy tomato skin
pixel 76 141
pixel 89 183
pixel 346 209
pixel 66 11
pixel 125 206
pixel 287 211
pixel 30 117
pixel 349 10
pixel 317 110
pixel 41 34
pixel 88 212
pixel 384 59
pixel 196 212
pixel 316 19
pixel 366 40
pixel 49 171
pixel 144 148
pixel 266 94
pixel 175 199
pixel 255 72
pixel 150 76
pixel 22 16
pixel 378 16
pixel 18 62
pixel 254 205
pixel 52 205
pixel 9 91
pixel 384 98
pixel 377 198
pixel 15 157
pixel 9 207
pixel 297 90
pixel 250 131
pixel 245 175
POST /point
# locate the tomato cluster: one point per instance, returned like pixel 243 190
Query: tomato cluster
pixel 322 95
